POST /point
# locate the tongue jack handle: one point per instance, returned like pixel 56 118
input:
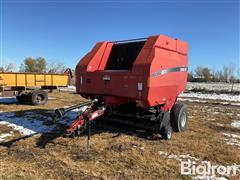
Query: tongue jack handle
pixel 89 133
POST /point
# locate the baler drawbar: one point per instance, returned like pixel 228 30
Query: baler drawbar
pixel 134 82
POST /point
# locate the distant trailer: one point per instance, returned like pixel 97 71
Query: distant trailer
pixel 32 88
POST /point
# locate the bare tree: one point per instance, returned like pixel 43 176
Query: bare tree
pixel 190 76
pixel 229 73
pixel 206 74
pixel 56 68
pixel 29 65
pixel 198 72
pixel 219 76
pixel 7 68
pixel 41 65
pixel 238 74
pixel 203 73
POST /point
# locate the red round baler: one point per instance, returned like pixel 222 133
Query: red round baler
pixel 136 82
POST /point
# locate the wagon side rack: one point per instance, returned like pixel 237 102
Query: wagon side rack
pixel 32 87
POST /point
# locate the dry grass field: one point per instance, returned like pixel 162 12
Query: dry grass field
pixel 40 151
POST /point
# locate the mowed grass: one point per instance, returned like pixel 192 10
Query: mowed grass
pixel 117 152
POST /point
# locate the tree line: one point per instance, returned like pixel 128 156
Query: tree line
pixel 38 64
pixel 228 73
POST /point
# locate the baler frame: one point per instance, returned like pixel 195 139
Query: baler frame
pixel 94 109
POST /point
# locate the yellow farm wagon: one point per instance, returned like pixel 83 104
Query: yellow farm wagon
pixel 33 87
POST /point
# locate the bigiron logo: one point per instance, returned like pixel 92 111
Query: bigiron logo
pixel 207 169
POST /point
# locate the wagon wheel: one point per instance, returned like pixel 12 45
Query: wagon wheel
pixel 39 97
pixel 23 97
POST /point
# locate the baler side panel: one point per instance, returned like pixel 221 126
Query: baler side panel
pixel 87 58
pixel 95 61
pixel 89 63
pixel 141 66
pixel 164 88
pixel 142 61
pixel 105 56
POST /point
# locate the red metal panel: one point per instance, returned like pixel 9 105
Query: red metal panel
pixel 94 63
pixel 166 43
pixel 182 47
pixel 105 56
pixel 158 75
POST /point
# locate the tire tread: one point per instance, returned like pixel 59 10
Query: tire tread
pixel 174 115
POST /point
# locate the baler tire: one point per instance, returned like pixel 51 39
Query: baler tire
pixel 167 132
pixel 179 117
pixel 38 97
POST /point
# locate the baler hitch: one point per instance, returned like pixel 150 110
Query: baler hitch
pixel 88 112
pixel 62 111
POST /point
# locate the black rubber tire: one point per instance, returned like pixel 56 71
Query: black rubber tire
pixel 167 132
pixel 179 117
pixel 20 99
pixel 23 98
pixel 38 97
